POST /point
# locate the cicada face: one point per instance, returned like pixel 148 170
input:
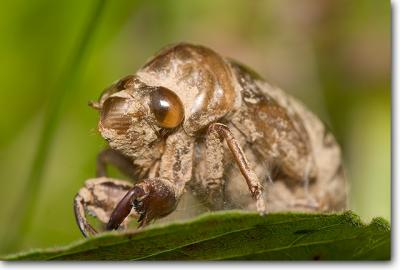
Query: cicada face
pixel 134 116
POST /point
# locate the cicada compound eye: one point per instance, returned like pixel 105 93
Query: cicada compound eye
pixel 167 107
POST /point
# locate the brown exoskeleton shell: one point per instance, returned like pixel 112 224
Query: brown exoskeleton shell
pixel 191 120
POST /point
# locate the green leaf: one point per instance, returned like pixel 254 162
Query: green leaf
pixel 236 235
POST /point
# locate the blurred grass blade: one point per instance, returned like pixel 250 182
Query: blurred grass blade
pixel 236 235
pixel 25 209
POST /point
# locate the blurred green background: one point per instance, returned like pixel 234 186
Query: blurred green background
pixel 57 55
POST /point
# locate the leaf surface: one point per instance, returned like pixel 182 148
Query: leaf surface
pixel 235 235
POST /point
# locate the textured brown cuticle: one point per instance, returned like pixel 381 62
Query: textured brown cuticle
pixel 228 139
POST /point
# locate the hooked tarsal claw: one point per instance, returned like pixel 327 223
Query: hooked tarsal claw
pixel 124 207
pixel 151 199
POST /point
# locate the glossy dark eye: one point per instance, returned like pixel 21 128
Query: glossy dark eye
pixel 167 107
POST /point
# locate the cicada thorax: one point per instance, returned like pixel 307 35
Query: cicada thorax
pixel 277 136
pixel 199 77
pixel 212 89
